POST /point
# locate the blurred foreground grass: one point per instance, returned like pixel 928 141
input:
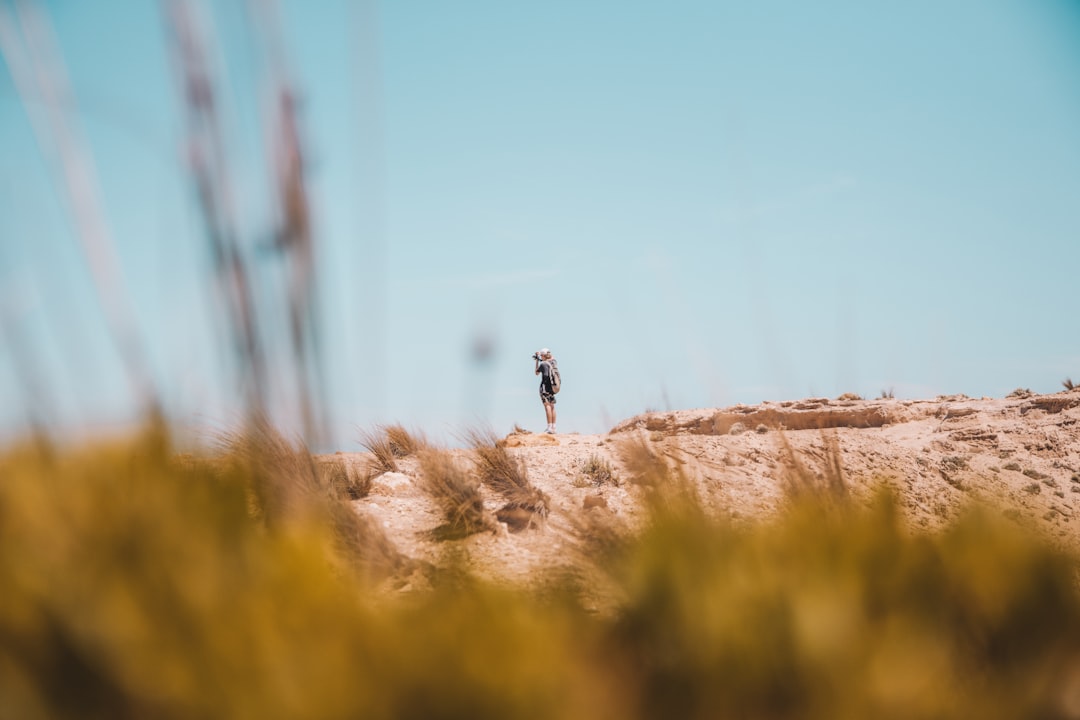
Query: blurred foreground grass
pixel 136 584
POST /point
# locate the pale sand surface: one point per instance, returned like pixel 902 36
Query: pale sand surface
pixel 1020 455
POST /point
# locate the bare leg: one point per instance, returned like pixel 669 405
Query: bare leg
pixel 549 410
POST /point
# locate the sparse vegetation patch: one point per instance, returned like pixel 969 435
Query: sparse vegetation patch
pixel 507 476
pixel 383 459
pixel 344 481
pixel 456 493
pixel 952 463
pixel 402 442
pixel 598 471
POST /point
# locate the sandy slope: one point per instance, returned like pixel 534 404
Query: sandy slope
pixel 1020 453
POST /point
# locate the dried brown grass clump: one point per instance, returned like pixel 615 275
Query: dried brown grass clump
pixel 344 481
pixel 506 475
pixel 382 458
pixel 1068 384
pixel 597 471
pixel 402 442
pixel 456 493
pixel 1021 393
pixel 849 396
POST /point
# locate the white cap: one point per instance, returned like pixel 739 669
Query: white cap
pixel 544 351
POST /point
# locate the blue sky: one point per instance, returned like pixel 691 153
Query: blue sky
pixel 694 204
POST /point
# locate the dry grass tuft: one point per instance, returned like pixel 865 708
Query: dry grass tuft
pixel 1021 393
pixel 507 476
pixel 344 481
pixel 504 474
pixel 850 396
pixel 456 493
pixel 383 459
pixel 597 471
pixel 402 442
pixel 1068 384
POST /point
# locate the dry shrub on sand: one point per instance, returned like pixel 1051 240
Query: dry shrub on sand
pixel 597 471
pixel 507 476
pixel 456 493
pixel 402 442
pixel 383 459
pixel 344 481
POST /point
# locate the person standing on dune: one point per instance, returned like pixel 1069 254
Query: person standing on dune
pixel 548 370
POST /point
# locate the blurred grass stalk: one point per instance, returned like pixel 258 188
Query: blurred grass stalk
pixel 291 236
pixel 29 49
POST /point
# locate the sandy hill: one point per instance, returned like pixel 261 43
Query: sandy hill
pixel 1021 454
